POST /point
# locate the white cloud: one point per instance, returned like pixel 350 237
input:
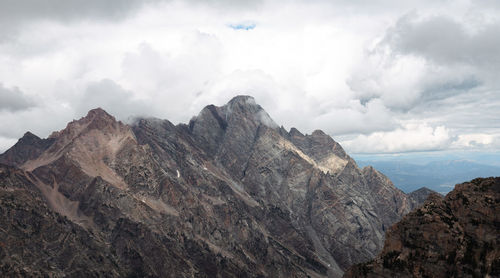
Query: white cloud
pixel 421 137
pixel 411 137
pixel 341 66
pixel 473 140
pixel 356 118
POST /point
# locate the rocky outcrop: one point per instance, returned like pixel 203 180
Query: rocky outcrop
pixel 231 194
pixel 454 236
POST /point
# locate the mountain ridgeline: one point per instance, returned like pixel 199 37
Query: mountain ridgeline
pixel 231 194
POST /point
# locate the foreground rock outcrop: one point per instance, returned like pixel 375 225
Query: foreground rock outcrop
pixel 231 194
pixel 455 236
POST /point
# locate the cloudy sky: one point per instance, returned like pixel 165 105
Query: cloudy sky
pixel 380 76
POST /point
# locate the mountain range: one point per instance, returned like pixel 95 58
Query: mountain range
pixel 439 176
pixel 230 194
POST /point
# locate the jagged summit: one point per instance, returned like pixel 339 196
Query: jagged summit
pixel 423 190
pixel 29 136
pixel 27 147
pixel 421 194
pixel 96 118
pixel 319 133
pixel 99 113
pixel 91 142
pixel 238 108
pixel 246 108
pixel 243 100
pixel 295 132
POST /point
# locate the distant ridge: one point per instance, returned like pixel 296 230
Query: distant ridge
pixel 439 176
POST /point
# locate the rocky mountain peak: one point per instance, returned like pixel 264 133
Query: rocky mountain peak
pixel 26 148
pixel 28 137
pixel 240 105
pixel 244 100
pixel 237 111
pixel 229 195
pixel 420 195
pixel 100 119
pixel 295 132
pixel 96 118
pixel 92 142
pixel 245 108
pixel 98 112
pixel 236 123
pixel 318 133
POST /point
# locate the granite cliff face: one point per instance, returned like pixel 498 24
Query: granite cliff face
pixel 231 194
pixel 455 236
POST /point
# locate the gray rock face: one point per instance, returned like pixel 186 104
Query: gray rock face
pixel 228 195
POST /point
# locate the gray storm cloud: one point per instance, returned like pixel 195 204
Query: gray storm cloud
pixel 446 41
pixel 14 100
pixel 18 14
pixel 24 10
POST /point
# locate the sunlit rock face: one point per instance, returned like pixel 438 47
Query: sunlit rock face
pixel 231 194
pixel 454 236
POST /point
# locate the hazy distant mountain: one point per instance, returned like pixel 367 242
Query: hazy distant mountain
pixel 231 194
pixel 439 176
pixel 455 236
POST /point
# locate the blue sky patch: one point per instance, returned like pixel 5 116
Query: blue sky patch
pixel 242 26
